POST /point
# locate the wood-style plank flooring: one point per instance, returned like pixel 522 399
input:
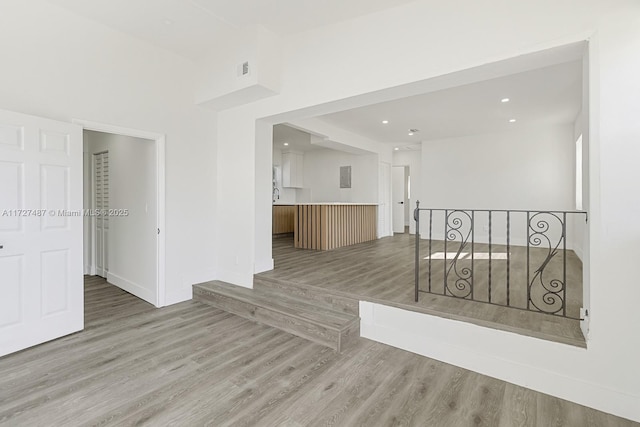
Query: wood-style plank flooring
pixel 193 365
pixel 382 271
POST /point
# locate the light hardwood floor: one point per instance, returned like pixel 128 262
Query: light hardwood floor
pixel 382 271
pixel 194 365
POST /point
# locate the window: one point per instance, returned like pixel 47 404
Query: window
pixel 579 173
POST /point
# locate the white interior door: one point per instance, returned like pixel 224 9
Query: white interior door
pixel 397 198
pixel 384 200
pixel 101 205
pixel 41 281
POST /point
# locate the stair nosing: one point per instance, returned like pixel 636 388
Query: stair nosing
pixel 343 300
pixel 325 291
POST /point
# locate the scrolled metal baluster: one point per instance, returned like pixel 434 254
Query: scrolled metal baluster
pixel 462 285
pixel 552 291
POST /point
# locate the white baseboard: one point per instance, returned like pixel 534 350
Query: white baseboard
pixel 461 344
pixel 90 270
pixel 133 288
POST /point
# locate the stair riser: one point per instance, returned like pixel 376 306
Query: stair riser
pixel 339 303
pixel 304 329
pixel 349 336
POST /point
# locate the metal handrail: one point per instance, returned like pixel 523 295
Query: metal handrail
pixel 538 224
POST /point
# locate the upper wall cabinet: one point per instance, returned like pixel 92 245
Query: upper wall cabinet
pixel 292 169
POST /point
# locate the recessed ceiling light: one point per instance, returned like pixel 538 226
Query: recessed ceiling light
pixel 410 133
pixel 384 122
pixel 396 149
pixel 505 100
pixel 286 144
pixel 512 121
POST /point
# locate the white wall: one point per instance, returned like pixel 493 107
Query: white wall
pixel 132 242
pixel 322 177
pixel 61 66
pixel 526 169
pixel 340 66
pixel 529 168
pixel 412 159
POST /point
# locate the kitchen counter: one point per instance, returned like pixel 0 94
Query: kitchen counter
pixel 282 219
pixel 327 226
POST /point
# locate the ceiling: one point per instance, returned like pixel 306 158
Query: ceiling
pixel 295 139
pixel 541 97
pixel 191 28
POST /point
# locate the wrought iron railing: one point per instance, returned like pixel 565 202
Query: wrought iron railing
pixel 515 258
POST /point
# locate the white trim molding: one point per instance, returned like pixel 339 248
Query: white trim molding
pixel 160 140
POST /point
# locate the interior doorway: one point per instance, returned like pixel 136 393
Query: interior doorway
pixel 399 199
pixel 124 209
pixel 385 227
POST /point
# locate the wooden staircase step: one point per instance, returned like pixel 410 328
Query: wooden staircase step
pixel 308 319
pixel 321 296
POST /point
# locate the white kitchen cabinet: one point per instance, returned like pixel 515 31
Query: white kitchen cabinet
pixel 292 169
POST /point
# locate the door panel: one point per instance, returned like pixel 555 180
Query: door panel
pixel 11 301
pixel 41 282
pixel 397 198
pixel 52 142
pixel 11 194
pixel 55 282
pixel 54 193
pixel 11 137
pixel 384 200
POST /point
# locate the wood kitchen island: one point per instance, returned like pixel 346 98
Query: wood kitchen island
pixel 326 226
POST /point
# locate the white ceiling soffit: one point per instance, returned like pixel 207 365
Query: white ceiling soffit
pixel 299 139
pixel 295 139
pixel 339 146
pixel 192 28
pixel 540 97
